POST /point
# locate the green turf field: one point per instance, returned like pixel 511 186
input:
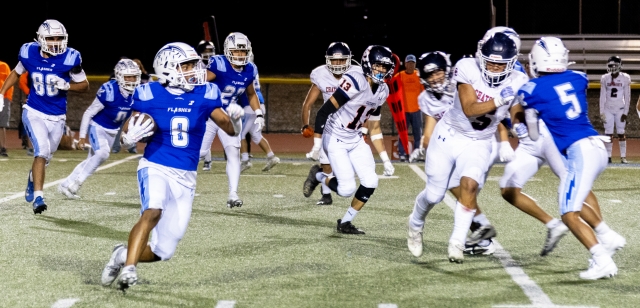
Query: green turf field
pixel 281 250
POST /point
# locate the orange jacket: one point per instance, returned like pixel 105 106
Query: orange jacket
pixel 411 87
pixel 4 73
pixel 24 83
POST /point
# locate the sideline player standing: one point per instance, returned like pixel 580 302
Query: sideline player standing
pixel 558 97
pixel 463 138
pixel 358 99
pixel 54 69
pixel 324 80
pixel 102 120
pixel 234 75
pixel 615 98
pixel 179 104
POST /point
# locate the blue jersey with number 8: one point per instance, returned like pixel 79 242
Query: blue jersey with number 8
pixel 180 122
pixel 561 101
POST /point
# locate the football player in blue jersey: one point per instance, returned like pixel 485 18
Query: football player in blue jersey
pixel 54 70
pixel 256 134
pixel 234 74
pixel 102 121
pixel 558 97
pixel 172 113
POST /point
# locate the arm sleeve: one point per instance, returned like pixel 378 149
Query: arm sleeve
pixel 375 115
pixel 627 94
pixel 603 93
pixel 91 111
pixel 77 74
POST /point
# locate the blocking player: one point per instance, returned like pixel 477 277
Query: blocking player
pixel 558 97
pixel 358 98
pixel 234 74
pixel 179 105
pixel 54 70
pixel 324 80
pixel 615 98
pixel 252 130
pixel 102 121
pixel 485 88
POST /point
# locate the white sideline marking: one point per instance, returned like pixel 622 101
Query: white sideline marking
pixel 383 177
pixel 50 184
pixel 269 175
pixel 387 306
pixel 278 196
pixel 62 160
pixel 65 303
pixel 535 294
pixel 225 304
pixel 615 201
pixel 111 193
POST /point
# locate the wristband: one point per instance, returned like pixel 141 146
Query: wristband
pixel 383 155
pixel 376 137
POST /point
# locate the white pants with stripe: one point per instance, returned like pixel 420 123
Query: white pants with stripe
pixel 347 157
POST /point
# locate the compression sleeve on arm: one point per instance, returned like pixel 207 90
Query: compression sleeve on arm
pixel 91 111
pixel 322 115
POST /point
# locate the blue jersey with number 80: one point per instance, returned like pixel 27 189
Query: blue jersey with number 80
pixel 180 122
pixel 232 83
pixel 561 101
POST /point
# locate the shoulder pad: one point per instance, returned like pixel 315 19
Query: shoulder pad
pixel 73 57
pixel 24 50
pixel 107 91
pixel 211 91
pixel 144 92
pixel 219 62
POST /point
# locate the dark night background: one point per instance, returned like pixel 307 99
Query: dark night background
pixel 292 39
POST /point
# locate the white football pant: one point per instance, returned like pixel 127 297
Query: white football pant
pixel 45 132
pixel 345 158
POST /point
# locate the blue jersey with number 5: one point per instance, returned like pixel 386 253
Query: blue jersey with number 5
pixel 43 95
pixel 232 83
pixel 117 108
pixel 180 122
pixel 561 101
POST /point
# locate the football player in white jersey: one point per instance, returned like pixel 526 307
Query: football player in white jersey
pixel 615 98
pixel 359 98
pixel 324 80
pixel 485 88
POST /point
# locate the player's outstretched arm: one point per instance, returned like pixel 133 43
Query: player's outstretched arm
pixel 378 142
pixel 254 102
pixel 93 109
pixel 312 96
pixel 80 87
pixel 230 121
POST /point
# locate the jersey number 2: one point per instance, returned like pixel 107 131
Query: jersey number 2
pixel 614 92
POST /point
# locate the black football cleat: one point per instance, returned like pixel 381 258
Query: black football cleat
pixel 348 228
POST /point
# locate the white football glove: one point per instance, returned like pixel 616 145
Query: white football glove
pixel 313 155
pixel 603 118
pixel 506 152
pixel 137 130
pixel 1 102
pixel 416 154
pixel 259 119
pixel 506 97
pixel 235 112
pixel 388 168
pixel 60 83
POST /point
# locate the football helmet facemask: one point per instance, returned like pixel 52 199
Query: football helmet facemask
pixel 501 49
pixel 430 63
pixel 614 64
pixel 51 28
pixel 206 50
pixel 168 66
pixel 237 41
pixel 125 68
pixel 377 63
pixel 338 51
pixel 548 55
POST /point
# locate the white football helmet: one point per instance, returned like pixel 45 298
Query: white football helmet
pixel 548 55
pixel 167 66
pixel 52 28
pixel 127 67
pixel 237 41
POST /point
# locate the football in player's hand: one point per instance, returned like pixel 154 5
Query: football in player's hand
pixel 307 131
pixel 140 119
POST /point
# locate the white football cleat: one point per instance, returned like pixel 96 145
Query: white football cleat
pixel 414 240
pixel 113 267
pixel 606 268
pixel 271 162
pixel 128 277
pixel 245 164
pixel 206 166
pixel 553 237
pixel 612 241
pixel 74 187
pixel 456 251
pixel 65 191
pixel 481 248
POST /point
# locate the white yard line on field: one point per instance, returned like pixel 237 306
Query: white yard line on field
pixel 535 294
pixel 65 303
pixel 225 304
pixel 50 184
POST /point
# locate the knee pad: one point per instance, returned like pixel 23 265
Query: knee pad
pixel 363 193
pixel 102 154
pixel 433 197
pixel 256 138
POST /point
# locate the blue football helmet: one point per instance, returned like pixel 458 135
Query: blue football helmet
pixel 431 62
pixel 499 48
pixel 376 55
pixel 338 51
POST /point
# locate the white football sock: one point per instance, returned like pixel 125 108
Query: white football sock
pixel 421 209
pixel 349 215
pixel 461 222
pixel 609 146
pixel 481 219
pixel 623 148
pixel 552 223
pixel 233 167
